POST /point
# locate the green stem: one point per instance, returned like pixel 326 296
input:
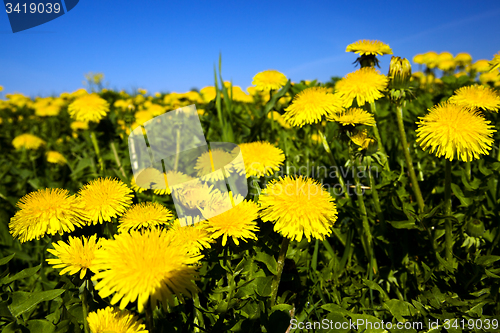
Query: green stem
pixel 376 199
pixel 366 233
pixel 117 159
pixel 468 170
pixel 281 263
pixel 332 160
pixel 447 212
pixel 97 151
pixel 409 162
pixel 149 317
pixel 255 189
pixel 379 138
pixel 85 306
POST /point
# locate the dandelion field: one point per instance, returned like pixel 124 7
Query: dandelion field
pixel 372 199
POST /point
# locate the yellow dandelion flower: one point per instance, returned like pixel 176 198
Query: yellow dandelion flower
pixel 261 158
pixel 463 59
pixel 443 56
pixel 480 97
pixel 452 131
pixel 365 85
pixel 211 161
pixel 47 111
pixel 488 77
pixel 310 105
pixel 431 59
pixel 1 88
pixel 144 215
pixel 47 211
pixel 27 141
pixel 354 116
pixel 154 179
pixel 481 65
pixel 269 80
pixel 362 140
pixel 240 96
pixel 74 256
pixel 89 107
pixel 176 178
pixel 142 266
pixel 105 198
pixel 194 237
pixel 114 320
pixel 419 59
pixel 237 223
pixel 276 116
pixel 298 206
pixel 495 62
pixel 56 157
pixel 369 47
pixel 208 93
pixel 142 116
pixel 79 125
pixel 194 194
pixel 446 65
pixel 136 188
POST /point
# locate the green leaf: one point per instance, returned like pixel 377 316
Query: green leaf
pixel 25 273
pixel 263 285
pixel 375 286
pixel 460 195
pixel 334 308
pixel 487 260
pixel 5 260
pixel 398 308
pixel 23 301
pixel 403 224
pixel 270 105
pixel 40 325
pixel 268 260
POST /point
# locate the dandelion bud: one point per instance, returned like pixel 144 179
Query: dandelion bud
pixel 475 228
pixel 399 74
pixel 399 69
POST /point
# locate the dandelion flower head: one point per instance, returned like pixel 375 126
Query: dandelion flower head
pixel 452 130
pixel 269 80
pixel 28 141
pixel 56 157
pixel 261 158
pixel 310 105
pixel 495 62
pixel 144 215
pixel 369 47
pixel 299 207
pixel 105 198
pixel 354 116
pixel 74 256
pixel 480 97
pixel 237 223
pixel 144 266
pixel 48 211
pixel 365 85
pixel 89 107
pixel 114 320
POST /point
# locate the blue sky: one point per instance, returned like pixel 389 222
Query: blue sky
pixel 173 45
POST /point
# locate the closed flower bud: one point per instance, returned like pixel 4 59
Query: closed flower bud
pixel 400 69
pixel 475 228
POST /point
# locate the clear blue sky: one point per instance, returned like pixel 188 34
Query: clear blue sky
pixel 173 45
